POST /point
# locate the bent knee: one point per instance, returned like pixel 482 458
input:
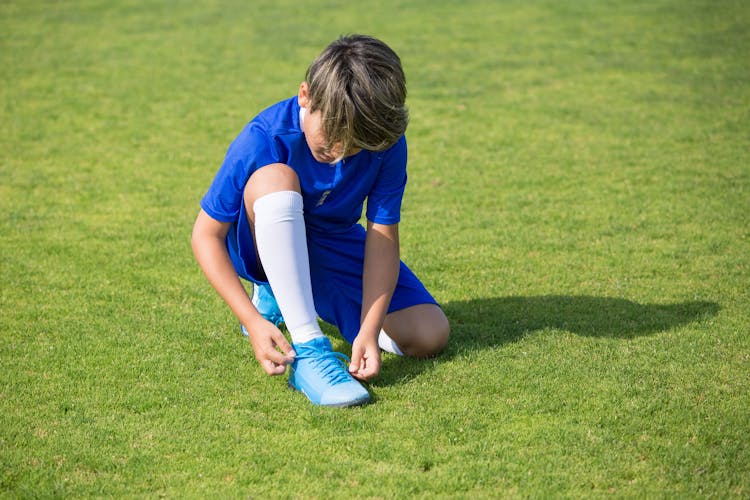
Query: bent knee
pixel 429 339
pixel 420 331
pixel 269 179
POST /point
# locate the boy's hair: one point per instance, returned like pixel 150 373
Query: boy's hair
pixel 359 86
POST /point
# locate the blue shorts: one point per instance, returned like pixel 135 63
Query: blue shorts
pixel 336 264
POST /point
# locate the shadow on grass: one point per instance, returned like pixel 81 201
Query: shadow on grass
pixel 484 322
pixel 481 323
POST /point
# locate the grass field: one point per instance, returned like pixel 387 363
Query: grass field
pixel 579 201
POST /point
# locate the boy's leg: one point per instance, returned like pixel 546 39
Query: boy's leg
pixel 274 207
pixel 421 331
pixel 275 210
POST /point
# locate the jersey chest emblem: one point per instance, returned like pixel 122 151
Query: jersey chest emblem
pixel 323 197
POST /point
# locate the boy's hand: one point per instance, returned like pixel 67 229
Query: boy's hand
pixel 267 340
pixel 365 358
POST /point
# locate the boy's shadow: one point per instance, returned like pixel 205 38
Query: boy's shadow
pixel 480 323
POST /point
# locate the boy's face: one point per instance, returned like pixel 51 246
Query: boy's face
pixel 314 132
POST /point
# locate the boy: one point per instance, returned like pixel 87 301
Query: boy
pixel 282 212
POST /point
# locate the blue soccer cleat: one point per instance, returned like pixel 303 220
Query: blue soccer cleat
pixel 321 374
pixel 265 303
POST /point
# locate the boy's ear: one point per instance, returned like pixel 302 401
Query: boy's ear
pixel 303 97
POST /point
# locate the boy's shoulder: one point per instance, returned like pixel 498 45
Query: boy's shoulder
pixel 279 119
pixel 270 136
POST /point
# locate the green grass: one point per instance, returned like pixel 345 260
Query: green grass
pixel 579 201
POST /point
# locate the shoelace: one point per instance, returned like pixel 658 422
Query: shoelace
pixel 331 365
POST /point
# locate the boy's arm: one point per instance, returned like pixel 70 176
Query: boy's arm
pixel 379 279
pixel 212 256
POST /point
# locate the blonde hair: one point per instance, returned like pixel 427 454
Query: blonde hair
pixel 359 86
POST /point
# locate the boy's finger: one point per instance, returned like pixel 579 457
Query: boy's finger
pixel 354 365
pixel 369 368
pixel 364 371
pixel 277 357
pixel 272 368
pixel 282 344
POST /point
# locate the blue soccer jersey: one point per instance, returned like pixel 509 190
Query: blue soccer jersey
pixel 333 195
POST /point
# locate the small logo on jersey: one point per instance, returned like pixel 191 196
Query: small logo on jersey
pixel 323 197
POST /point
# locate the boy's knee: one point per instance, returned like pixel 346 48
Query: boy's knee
pixel 270 179
pixel 431 343
pixel 428 337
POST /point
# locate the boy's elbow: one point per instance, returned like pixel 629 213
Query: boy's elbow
pixel 195 241
pixel 205 230
pixel 196 235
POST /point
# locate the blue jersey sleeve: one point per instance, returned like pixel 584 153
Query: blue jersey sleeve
pixel 384 200
pixel 251 150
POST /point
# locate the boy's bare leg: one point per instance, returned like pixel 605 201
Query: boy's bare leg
pixel 421 331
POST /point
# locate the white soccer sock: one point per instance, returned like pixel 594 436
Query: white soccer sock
pixel 282 247
pixel 387 344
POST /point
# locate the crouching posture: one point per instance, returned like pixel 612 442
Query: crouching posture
pixel 282 212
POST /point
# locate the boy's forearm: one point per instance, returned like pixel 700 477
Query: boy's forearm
pixel 211 253
pixel 381 270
